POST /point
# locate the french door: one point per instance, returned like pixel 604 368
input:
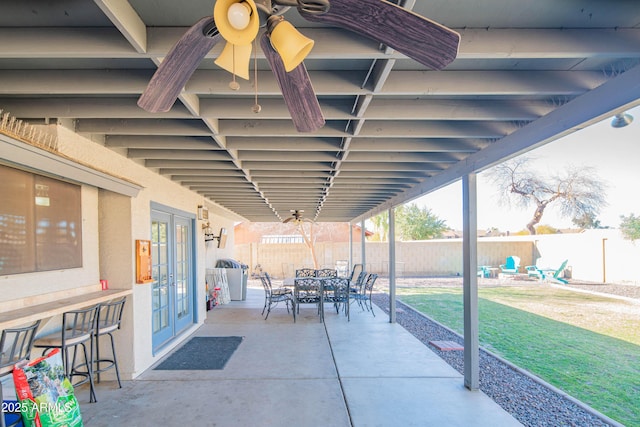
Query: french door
pixel 173 285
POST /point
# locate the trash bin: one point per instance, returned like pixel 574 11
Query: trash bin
pixel 236 277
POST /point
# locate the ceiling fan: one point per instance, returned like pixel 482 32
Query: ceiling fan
pixel 237 22
pixel 297 218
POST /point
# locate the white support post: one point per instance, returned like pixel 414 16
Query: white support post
pixel 392 266
pixel 350 246
pixel 362 242
pixel 470 281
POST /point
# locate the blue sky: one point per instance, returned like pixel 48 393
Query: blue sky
pixel 614 153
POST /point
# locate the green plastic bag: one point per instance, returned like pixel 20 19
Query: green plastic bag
pixel 45 394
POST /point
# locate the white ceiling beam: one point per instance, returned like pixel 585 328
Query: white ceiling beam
pixel 441 109
pixel 493 43
pixel 399 83
pixel 271 181
pixel 126 19
pixel 272 128
pixel 143 127
pixel 190 164
pixel 280 144
pixel 620 92
pixel 416 144
pixel 212 179
pixel 548 43
pixel 87 108
pixel 69 82
pixel 375 167
pixel 161 142
pixel 238 108
pixel 375 181
pixel 436 129
pixel 201 172
pixel 280 166
pixel 293 156
pixel 382 175
pixel 64 43
pixel 390 156
pixel 297 174
pixel 508 83
pixel 218 155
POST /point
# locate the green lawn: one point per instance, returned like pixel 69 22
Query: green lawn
pixel 534 328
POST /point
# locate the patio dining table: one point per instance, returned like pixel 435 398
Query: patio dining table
pixel 290 282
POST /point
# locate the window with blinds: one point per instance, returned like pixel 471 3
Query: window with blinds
pixel 40 223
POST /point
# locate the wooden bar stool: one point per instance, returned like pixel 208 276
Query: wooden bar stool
pixel 78 329
pixel 15 346
pixel 109 320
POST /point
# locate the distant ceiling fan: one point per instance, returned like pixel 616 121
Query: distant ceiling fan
pixel 297 218
pixel 237 22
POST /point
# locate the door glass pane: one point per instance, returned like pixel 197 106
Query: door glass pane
pixel 161 278
pixel 182 269
pixel 156 321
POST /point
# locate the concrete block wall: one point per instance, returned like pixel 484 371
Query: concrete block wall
pixel 434 257
pixel 593 256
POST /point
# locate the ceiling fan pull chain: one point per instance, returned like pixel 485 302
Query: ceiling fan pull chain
pixel 256 107
pixel 234 85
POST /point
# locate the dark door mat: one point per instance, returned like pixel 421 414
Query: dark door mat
pixel 201 354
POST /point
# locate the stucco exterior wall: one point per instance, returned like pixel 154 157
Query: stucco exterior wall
pixel 111 224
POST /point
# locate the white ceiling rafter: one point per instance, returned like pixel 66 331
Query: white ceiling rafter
pixel 394 129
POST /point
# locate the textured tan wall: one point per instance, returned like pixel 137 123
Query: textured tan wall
pixel 594 255
pixel 435 257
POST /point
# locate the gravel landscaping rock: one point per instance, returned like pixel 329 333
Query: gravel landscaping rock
pixel 531 402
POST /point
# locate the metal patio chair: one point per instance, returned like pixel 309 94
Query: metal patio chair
pixel 309 290
pixel 336 291
pixel 78 329
pixel 109 320
pixel 306 272
pixel 327 272
pixel 273 296
pixel 364 295
pixel 15 346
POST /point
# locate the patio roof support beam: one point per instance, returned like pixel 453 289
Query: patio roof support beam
pixel 392 266
pixel 363 239
pixel 470 281
pixel 351 245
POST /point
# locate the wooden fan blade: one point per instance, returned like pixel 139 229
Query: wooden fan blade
pixel 296 89
pixel 419 38
pixel 178 66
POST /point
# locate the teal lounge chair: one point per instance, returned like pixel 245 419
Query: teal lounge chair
pixel 546 274
pixel 511 266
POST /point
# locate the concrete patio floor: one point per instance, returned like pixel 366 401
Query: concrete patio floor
pixel 366 372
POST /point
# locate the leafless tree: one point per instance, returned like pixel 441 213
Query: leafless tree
pixel 309 240
pixel 578 190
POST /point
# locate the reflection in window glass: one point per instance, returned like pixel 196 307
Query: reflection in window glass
pixel 40 223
